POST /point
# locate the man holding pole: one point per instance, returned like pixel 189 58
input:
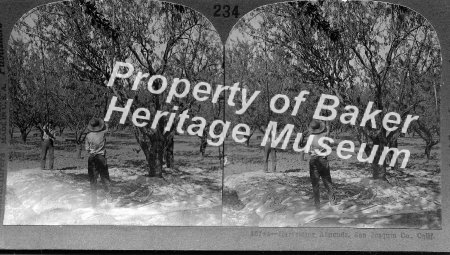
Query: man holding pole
pixel 319 167
pixel 47 147
pixel 95 145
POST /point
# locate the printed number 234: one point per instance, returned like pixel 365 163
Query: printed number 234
pixel 225 11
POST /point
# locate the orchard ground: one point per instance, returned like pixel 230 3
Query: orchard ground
pixel 410 199
pixel 188 195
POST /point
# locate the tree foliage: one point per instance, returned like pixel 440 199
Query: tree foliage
pixel 157 38
pixel 359 52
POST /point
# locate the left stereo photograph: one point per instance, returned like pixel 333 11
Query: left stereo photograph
pixel 101 129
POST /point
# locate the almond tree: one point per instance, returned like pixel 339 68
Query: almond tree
pixel 241 67
pixel 25 91
pixel 428 126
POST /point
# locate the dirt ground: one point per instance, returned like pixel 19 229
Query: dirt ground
pixel 191 193
pixel 411 198
pixel 188 195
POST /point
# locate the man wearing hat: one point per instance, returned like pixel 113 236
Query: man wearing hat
pixel 95 145
pixel 318 165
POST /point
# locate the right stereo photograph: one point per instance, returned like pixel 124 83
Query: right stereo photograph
pixel 345 127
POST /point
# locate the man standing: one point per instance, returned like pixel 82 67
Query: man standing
pixel 95 145
pixel 47 147
pixel 318 165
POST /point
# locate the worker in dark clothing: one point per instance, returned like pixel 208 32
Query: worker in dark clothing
pixel 319 167
pixel 47 148
pixel 95 145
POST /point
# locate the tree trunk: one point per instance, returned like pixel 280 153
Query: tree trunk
pixel 428 147
pixel 152 146
pixel 153 151
pixel 11 133
pixel 203 141
pixel 79 150
pixel 378 171
pixel 152 142
pixel 203 144
pixel 23 135
pixel 269 151
pixel 156 159
pixel 428 151
pixel 169 153
pixel 79 139
pixel 41 131
pixel 274 160
pixel 247 142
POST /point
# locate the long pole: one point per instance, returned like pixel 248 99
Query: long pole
pixel 113 53
pixel 267 84
pixel 222 157
pixel 43 72
pixel 112 35
pixel 435 98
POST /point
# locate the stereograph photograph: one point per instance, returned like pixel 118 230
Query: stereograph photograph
pixel 309 114
pixel 373 61
pixel 70 166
